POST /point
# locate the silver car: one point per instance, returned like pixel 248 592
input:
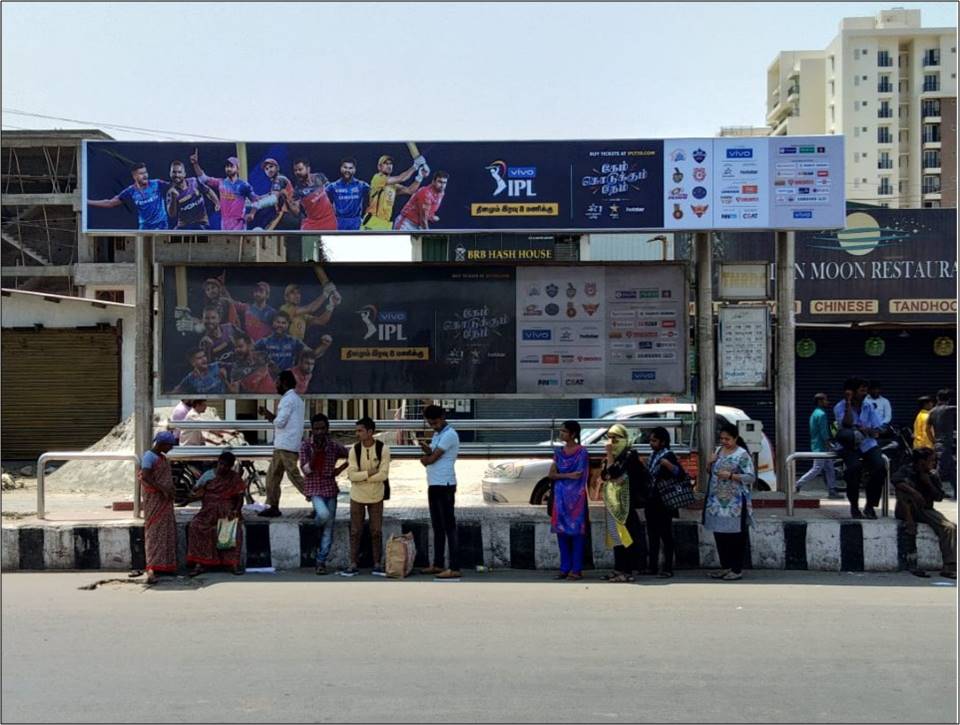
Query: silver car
pixel 525 480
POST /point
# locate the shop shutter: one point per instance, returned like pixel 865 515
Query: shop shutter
pixel 61 389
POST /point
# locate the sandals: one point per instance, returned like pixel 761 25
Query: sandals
pixel 718 574
pixel 731 576
pixel 561 575
pixel 574 577
pixel 196 571
pixel 619 578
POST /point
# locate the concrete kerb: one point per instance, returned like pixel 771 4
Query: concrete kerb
pixel 515 536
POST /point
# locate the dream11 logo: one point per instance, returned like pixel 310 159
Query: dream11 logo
pixel 517 181
pixel 387 326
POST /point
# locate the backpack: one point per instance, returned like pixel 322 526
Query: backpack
pixel 378 450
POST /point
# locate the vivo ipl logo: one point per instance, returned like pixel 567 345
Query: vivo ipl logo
pixel 515 180
pixel 386 326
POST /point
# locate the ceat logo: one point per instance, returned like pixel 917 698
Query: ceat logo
pixel 517 181
pixel 385 326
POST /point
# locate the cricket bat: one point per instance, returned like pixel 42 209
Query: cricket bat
pixel 321 274
pixel 412 148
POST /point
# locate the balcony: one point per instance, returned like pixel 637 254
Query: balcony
pixel 885 62
pixel 884 88
pixel 793 93
pixel 930 88
pixel 885 164
pixel 885 113
pixel 780 111
pixel 884 191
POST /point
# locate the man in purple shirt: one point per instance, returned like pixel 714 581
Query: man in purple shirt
pixel 217 338
pixel 186 205
pixel 232 190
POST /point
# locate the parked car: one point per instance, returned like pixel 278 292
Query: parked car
pixel 525 480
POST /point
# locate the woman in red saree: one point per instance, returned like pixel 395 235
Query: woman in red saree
pixel 221 491
pixel 160 524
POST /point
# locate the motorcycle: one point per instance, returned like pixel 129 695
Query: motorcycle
pixel 187 473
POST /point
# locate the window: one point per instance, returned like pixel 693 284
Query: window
pixel 833 64
pixel 883 135
pixel 856 54
pixel 931 184
pixel 884 189
pixel 884 161
pixel 883 59
pixel 856 80
pixel 864 77
pixel 864 128
pixel 833 89
pixel 931 159
pixel 931 56
pixel 931 133
pixel 884 111
pixel 856 130
pixel 109 295
pixel 930 107
pixel 931 82
pixel 856 157
pixel 884 85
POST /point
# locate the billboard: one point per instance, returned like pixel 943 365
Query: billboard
pixel 463 187
pixel 378 330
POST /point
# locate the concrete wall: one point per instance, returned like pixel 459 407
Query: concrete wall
pixel 24 309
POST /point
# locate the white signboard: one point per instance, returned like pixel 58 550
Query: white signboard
pixel 597 330
pixel 744 343
pixel 808 181
pixel 742 192
pixel 688 176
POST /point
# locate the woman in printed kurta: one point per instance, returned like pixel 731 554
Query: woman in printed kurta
pixel 727 509
pixel 160 524
pixel 221 491
pixel 568 520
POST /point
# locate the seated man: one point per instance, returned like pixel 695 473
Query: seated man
pixel 918 486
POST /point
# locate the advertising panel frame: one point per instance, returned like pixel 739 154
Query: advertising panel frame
pixel 162 308
pixel 722 354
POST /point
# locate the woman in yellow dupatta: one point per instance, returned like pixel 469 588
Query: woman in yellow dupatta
pixel 626 483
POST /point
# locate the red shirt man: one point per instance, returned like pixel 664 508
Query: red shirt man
pixel 421 210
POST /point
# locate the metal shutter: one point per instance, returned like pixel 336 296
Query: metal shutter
pixel 61 389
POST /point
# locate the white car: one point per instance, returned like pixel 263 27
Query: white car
pixel 525 480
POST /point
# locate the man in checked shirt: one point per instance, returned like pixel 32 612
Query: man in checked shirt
pixel 319 454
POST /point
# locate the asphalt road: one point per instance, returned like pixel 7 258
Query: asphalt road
pixel 499 647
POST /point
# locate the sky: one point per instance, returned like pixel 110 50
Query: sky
pixel 395 71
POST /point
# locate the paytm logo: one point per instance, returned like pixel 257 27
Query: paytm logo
pixel 517 181
pixel 740 153
pixel 536 335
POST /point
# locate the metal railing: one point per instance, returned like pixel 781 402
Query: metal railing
pixel 467 450
pixel 84 456
pixel 791 470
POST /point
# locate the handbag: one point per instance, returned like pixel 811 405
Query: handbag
pixel 675 494
pixel 227 533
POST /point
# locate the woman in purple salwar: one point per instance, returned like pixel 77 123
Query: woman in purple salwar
pixel 568 520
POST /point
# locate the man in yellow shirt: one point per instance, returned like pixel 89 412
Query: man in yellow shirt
pixel 303 316
pixel 384 189
pixel 921 435
pixel 368 467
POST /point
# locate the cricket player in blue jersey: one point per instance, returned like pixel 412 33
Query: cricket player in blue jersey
pixel 349 195
pixel 146 194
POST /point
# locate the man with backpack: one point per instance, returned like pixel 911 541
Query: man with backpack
pixel 368 467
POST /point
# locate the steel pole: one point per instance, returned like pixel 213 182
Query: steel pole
pixel 786 361
pixel 142 367
pixel 706 378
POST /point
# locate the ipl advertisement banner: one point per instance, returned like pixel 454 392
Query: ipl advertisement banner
pixel 375 330
pixel 470 186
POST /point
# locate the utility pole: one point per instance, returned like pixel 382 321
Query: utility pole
pixel 143 358
pixel 707 386
pixel 786 361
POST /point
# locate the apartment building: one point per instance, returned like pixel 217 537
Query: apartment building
pixel 890 87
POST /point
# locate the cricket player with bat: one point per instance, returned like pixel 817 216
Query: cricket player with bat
pixel 384 188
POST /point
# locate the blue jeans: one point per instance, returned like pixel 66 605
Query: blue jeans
pixel 325 513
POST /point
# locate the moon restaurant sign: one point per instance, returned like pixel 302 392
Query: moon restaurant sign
pixel 894 265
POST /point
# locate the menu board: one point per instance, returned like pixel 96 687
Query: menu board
pixel 744 347
pixel 594 329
